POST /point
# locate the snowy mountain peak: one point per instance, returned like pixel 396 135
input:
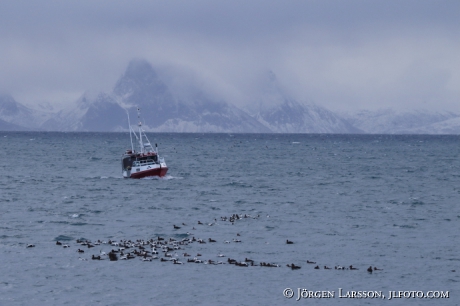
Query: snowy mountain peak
pixel 139 81
pixel 8 106
pixel 186 106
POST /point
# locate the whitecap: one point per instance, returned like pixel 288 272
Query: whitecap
pixel 150 178
pixel 163 178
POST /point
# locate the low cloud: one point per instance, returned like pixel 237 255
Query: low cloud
pixel 339 54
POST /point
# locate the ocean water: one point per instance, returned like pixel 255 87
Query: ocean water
pixel 392 202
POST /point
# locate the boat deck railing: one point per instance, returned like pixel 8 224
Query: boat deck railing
pixel 143 163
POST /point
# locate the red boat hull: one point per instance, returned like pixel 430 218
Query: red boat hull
pixel 151 172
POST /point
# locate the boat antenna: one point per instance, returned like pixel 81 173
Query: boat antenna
pixel 130 136
pixel 140 130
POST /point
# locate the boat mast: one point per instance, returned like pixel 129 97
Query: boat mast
pixel 145 147
pixel 140 129
pixel 130 132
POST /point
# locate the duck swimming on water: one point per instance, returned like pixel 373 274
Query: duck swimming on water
pixel 293 266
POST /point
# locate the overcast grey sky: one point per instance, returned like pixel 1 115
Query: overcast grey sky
pixel 344 54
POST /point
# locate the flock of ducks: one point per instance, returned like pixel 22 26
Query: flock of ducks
pixel 173 250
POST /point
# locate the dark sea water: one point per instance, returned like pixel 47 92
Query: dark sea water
pixel 364 200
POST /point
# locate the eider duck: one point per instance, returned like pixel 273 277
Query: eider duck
pixel 293 266
pixel 113 256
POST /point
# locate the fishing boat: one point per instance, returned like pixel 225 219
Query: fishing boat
pixel 145 161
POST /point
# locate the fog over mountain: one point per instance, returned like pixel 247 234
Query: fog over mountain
pixel 140 86
pixel 389 121
pixel 195 109
pixel 6 126
pixel 91 112
pixel 281 113
pixel 340 55
pixel 19 115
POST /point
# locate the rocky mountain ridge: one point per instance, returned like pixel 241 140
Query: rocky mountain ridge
pixel 198 112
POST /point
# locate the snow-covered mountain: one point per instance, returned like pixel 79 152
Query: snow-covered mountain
pixel 389 121
pixel 6 126
pixel 91 112
pixel 20 117
pixel 192 109
pixel 163 111
pixel 283 114
pixel 140 86
pixel 449 126
pixel 293 117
